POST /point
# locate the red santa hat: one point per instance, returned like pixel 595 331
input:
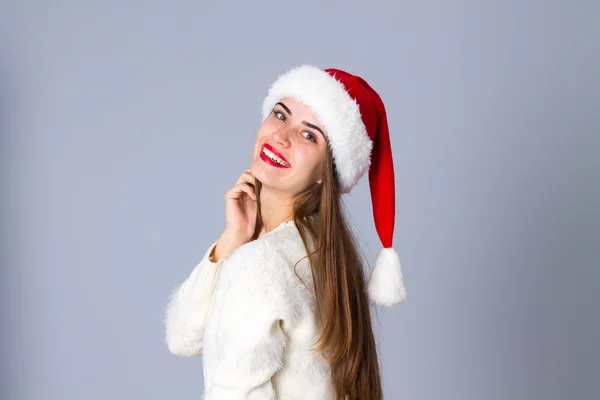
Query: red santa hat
pixel 355 119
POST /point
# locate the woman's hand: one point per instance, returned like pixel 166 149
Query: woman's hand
pixel 241 208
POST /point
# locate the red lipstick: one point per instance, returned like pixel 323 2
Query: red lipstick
pixel 278 154
pixel 266 159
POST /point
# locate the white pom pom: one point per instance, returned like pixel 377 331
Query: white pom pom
pixel 386 283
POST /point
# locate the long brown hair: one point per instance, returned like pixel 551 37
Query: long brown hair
pixel 347 339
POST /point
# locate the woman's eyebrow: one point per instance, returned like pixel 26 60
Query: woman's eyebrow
pixel 314 127
pixel 285 107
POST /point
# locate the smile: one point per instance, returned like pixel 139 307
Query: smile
pixel 273 157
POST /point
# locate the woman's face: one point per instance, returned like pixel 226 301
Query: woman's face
pixel 294 135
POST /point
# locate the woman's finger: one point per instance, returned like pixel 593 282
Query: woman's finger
pixel 235 192
pixel 246 176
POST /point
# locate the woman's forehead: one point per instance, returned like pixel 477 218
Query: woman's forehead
pixel 300 110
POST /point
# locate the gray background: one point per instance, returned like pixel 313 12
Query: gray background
pixel 123 124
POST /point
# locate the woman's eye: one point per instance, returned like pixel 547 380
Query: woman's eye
pixel 279 115
pixel 310 137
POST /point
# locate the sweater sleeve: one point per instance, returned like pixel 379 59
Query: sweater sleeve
pixel 250 343
pixel 189 306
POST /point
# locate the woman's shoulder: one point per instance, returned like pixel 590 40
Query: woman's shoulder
pixel 286 242
pixel 263 271
pixel 281 247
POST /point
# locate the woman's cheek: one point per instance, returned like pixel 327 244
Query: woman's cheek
pixel 308 162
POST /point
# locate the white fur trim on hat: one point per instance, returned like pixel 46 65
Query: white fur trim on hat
pixel 337 111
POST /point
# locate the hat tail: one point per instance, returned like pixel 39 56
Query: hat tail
pixel 386 282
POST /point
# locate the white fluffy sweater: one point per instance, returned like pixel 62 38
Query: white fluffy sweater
pixel 254 322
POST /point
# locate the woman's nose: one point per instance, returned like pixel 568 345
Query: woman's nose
pixel 282 136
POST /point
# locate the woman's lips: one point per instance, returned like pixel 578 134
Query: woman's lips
pixel 266 159
pixel 278 154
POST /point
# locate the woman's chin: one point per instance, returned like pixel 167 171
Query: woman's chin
pixel 266 172
pixel 267 178
pixel 259 171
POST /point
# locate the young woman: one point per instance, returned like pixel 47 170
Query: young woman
pixel 279 305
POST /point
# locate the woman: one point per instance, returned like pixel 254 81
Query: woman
pixel 278 305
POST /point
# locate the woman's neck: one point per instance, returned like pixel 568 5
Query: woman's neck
pixel 276 208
